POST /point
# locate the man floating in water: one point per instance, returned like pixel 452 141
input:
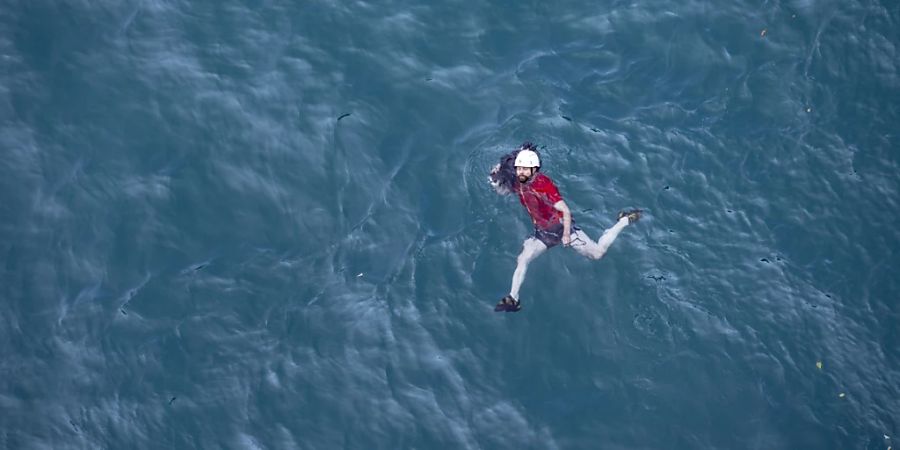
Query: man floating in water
pixel 519 172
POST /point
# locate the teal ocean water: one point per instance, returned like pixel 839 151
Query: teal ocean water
pixel 236 224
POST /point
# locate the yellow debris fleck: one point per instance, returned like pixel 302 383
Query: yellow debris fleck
pixel 819 365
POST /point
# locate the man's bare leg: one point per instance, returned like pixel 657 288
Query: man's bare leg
pixel 584 245
pixel 531 249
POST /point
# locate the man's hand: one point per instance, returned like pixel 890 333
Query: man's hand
pixel 566 239
pixel 492 178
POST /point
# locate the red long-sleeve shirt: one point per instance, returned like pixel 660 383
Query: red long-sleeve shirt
pixel 538 197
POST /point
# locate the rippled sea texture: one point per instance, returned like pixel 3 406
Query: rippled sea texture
pixel 235 224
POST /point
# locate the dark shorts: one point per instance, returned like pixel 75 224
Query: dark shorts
pixel 552 236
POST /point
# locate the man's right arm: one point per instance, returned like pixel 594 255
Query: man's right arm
pixel 562 207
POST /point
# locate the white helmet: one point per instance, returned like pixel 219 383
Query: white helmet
pixel 528 158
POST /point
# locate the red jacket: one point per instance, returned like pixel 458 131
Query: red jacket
pixel 538 196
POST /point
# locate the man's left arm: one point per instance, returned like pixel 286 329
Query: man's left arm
pixel 567 220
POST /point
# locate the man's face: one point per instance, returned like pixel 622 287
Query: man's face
pixel 524 173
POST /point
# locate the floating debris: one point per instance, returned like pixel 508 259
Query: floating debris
pixel 842 395
pixel 763 32
pixel 344 115
pixel 172 400
pixel 819 365
pixel 567 118
pixel 359 275
pixel 808 109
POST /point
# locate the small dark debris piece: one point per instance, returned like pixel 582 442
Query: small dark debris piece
pixel 666 188
pixel 729 211
pixel 828 295
pixel 172 400
pixel 429 79
pixel 587 210
pixel 656 277
pixel 595 130
pixel 764 260
pixel 671 231
pixel 343 115
pixel 122 310
pixel 567 118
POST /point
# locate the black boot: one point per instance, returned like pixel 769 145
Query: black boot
pixel 633 215
pixel 508 304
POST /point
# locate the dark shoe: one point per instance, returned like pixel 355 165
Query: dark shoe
pixel 633 215
pixel 507 304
